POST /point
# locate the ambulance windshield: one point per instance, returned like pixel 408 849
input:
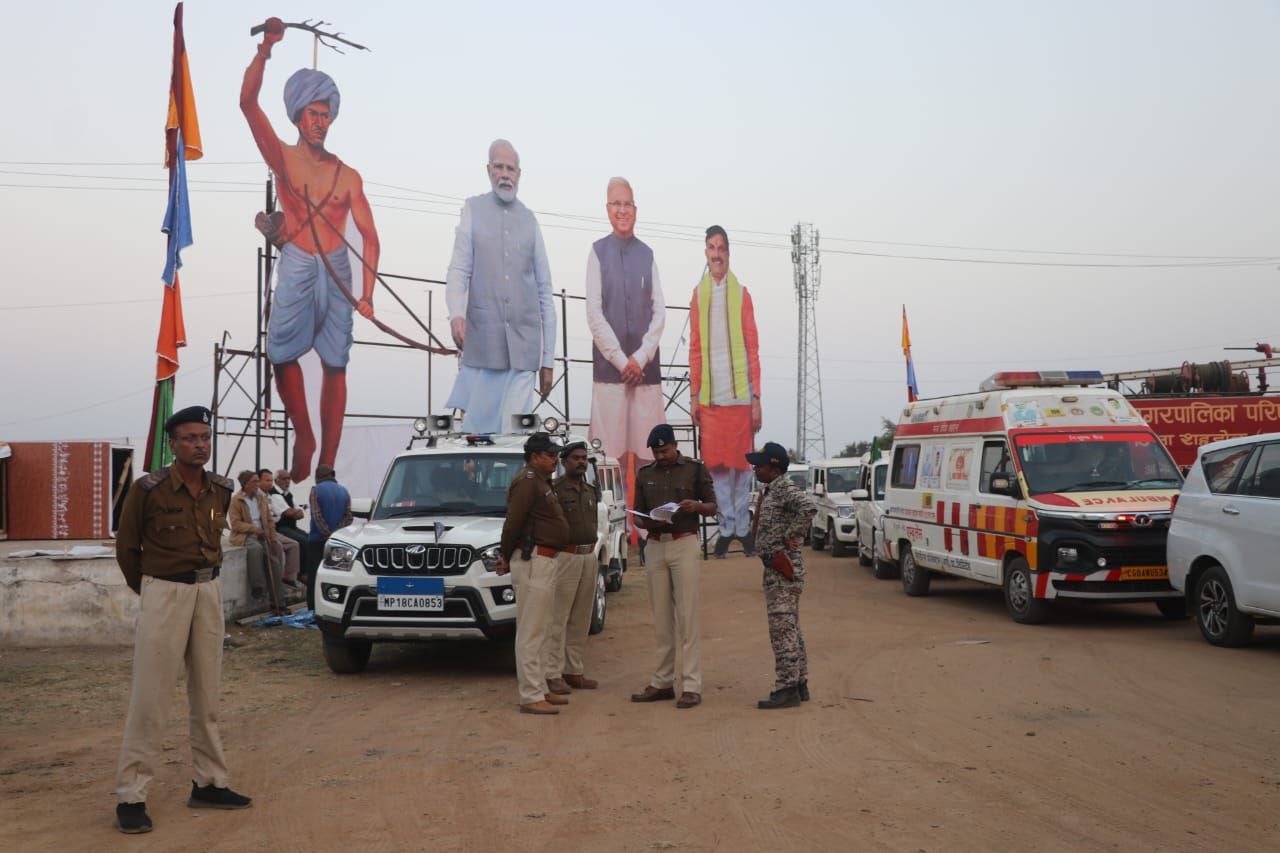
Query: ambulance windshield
pixel 1095 462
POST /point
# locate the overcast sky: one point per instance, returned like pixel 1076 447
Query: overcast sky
pixel 1115 128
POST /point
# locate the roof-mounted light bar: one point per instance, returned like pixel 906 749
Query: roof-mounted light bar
pixel 1040 379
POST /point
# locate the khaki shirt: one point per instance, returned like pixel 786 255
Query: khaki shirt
pixel 166 530
pixel 684 479
pixel 532 506
pixel 578 499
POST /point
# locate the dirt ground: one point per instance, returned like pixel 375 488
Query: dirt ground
pixel 935 724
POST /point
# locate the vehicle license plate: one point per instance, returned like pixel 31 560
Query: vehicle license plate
pixel 411 594
pixel 1144 573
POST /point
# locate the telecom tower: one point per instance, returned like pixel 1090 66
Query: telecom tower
pixel 811 435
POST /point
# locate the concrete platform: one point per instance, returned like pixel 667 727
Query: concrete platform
pixel 57 602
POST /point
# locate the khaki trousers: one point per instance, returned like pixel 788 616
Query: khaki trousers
pixel 177 624
pixel 575 594
pixel 534 582
pixel 671 573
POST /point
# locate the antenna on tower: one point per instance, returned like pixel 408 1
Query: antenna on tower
pixel 811 435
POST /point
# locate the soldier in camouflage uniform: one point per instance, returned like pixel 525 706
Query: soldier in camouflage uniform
pixel 783 515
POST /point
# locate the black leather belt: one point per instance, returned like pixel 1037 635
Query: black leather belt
pixel 193 576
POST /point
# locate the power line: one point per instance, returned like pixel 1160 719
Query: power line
pixel 152 300
pixel 190 371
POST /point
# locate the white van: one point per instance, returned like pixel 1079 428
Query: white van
pixel 830 481
pixel 1038 483
pixel 869 504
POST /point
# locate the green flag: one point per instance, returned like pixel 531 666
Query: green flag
pixel 875 449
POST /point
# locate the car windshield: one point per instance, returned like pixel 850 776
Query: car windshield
pixel 1095 461
pixel 881 474
pixel 842 479
pixel 800 478
pixel 448 483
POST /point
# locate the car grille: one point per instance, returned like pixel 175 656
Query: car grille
pixel 417 559
pixel 1112 586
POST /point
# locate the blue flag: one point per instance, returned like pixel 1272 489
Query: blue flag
pixel 177 217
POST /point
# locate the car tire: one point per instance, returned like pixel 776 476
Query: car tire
pixel 613 576
pixel 816 539
pixel 915 578
pixel 881 569
pixel 1216 614
pixel 1019 594
pixel 599 606
pixel 1172 608
pixel 838 548
pixel 346 657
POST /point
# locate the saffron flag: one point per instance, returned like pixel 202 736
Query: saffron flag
pixel 913 390
pixel 182 143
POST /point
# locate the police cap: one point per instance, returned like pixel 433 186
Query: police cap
pixel 540 442
pixel 661 435
pixel 572 446
pixel 189 415
pixel 771 454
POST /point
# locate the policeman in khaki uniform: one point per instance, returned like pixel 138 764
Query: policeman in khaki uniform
pixel 783 516
pixel 534 533
pixel 169 548
pixel 576 572
pixel 671 564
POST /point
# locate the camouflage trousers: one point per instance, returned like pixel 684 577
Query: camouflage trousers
pixel 782 603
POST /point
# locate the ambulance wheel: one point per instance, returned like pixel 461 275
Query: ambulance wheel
pixel 838 548
pixel 346 657
pixel 1019 594
pixel 915 578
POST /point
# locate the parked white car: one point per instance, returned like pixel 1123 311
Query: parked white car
pixel 797 472
pixel 868 503
pixel 830 481
pixel 1224 542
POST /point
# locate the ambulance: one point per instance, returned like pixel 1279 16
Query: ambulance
pixel 1039 483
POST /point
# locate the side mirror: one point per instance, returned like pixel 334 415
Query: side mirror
pixel 859 495
pixel 362 507
pixel 1004 484
pixel 819 489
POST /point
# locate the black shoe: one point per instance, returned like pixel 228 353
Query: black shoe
pixel 749 545
pixel 643 542
pixel 131 818
pixel 787 697
pixel 210 797
pixel 722 547
pixel 803 689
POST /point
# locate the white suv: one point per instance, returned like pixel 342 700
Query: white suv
pixel 1225 537
pixel 868 502
pixel 421 566
pixel 830 481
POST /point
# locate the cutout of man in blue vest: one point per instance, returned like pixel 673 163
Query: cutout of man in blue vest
pixel 498 293
pixel 626 314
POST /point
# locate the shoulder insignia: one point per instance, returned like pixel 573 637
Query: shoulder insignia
pixel 153 479
pixel 528 475
pixel 225 482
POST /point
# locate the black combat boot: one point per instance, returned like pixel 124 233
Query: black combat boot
pixel 722 546
pixel 787 697
pixel 749 545
pixel 803 689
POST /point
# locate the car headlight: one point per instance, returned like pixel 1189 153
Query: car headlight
pixel 490 556
pixel 845 512
pixel 339 556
